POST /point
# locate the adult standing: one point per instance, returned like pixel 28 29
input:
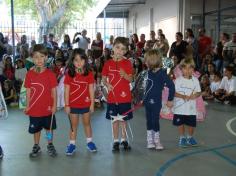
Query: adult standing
pixel 192 41
pixel 82 39
pixel 178 48
pixel 97 46
pixel 229 51
pixel 204 45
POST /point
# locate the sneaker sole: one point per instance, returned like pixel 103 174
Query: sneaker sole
pixel 70 154
pixel 32 155
pixel 92 151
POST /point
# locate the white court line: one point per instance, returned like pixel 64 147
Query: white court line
pixel 228 125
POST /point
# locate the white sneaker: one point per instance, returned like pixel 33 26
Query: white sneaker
pixel 157 141
pixel 150 141
pixel 159 146
pixel 150 145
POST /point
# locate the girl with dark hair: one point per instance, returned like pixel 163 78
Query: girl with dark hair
pixel 79 98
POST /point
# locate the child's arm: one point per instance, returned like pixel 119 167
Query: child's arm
pixel 184 97
pixel 91 94
pixel 27 100
pixel 128 77
pixel 54 97
pixel 66 95
pixel 105 82
pixel 171 86
pixel 194 95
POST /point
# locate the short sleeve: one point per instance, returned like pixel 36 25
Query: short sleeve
pixel 129 68
pixel 53 80
pixel 105 69
pixel 90 78
pixel 198 88
pixel 27 80
pixel 67 79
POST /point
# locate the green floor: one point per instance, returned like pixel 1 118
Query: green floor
pixel 215 156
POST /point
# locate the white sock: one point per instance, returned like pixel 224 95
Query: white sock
pixel 188 136
pixel 122 140
pixel 116 140
pixel 181 137
pixel 72 142
pixel 89 140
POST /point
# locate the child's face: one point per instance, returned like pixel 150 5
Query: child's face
pixel 216 78
pixel 78 62
pixel 227 73
pixel 19 64
pixel 204 81
pixel 210 68
pixel 39 59
pixel 58 64
pixel 119 50
pixel 187 71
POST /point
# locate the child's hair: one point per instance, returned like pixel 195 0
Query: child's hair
pixel 218 74
pixel 40 48
pixel 124 41
pixel 153 59
pixel 83 56
pixel 230 69
pixel 187 61
pixel 20 61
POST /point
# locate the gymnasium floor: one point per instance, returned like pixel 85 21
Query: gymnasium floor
pixel 216 155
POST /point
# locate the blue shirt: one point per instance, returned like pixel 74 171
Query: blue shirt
pixel 155 84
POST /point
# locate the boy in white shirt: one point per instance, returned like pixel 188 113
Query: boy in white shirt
pixel 226 92
pixel 187 89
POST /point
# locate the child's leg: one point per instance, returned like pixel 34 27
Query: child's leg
pixel 88 132
pixel 190 130
pixel 37 137
pixel 181 130
pixel 123 130
pixel 74 119
pixel 87 126
pixel 115 127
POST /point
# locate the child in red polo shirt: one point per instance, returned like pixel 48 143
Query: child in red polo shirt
pixel 40 84
pixel 79 98
pixel 116 76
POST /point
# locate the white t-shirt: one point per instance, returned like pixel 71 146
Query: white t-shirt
pixel 20 74
pixel 229 85
pixel 214 86
pixel 83 43
pixel 186 87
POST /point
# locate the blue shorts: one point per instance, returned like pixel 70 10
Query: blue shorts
pixel 38 123
pixel 189 120
pixel 115 109
pixel 79 110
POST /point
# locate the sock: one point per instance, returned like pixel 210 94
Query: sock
pixel 89 140
pixel 116 140
pixel 123 139
pixel 72 142
pixel 181 137
pixel 188 136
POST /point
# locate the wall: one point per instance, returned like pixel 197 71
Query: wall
pixel 164 16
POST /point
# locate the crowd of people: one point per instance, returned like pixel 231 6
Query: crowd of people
pixel 117 64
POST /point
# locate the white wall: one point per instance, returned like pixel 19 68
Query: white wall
pixel 165 14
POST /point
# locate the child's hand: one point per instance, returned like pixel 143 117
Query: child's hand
pixel 186 98
pixel 91 108
pixel 169 104
pixel 122 73
pixel 109 87
pixel 67 109
pixel 26 110
pixel 54 109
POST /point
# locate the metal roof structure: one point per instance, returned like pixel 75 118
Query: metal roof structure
pixel 119 8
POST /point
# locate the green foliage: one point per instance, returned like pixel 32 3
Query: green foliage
pixel 75 9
